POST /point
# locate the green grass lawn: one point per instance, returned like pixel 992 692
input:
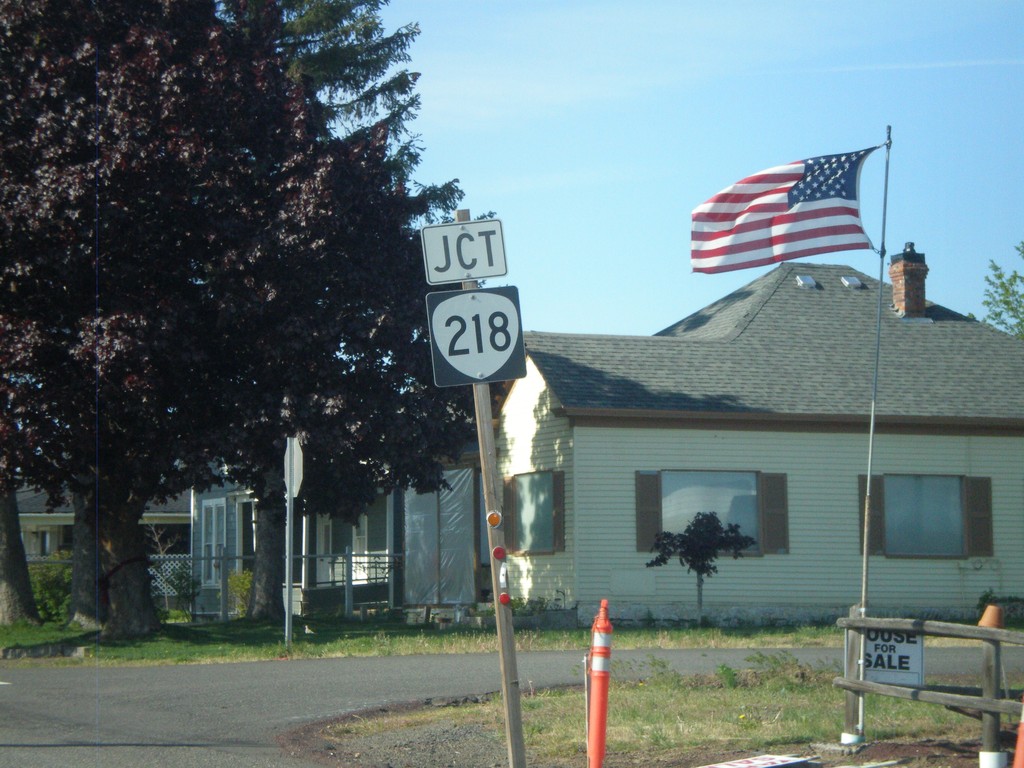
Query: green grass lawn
pixel 330 636
pixel 658 715
pixel 327 636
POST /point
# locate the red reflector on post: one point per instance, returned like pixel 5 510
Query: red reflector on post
pixel 498 553
pixel 504 599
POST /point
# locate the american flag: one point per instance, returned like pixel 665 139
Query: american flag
pixel 781 213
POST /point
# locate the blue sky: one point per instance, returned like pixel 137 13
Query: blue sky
pixel 592 129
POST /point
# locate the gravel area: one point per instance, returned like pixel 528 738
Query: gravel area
pixel 449 745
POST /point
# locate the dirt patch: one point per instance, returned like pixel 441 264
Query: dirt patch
pixel 452 745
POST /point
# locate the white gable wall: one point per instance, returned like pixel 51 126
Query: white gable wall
pixel 531 438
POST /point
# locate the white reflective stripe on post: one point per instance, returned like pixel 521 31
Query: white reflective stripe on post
pixel 602 640
pixel 600 664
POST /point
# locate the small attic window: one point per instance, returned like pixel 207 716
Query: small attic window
pixel 851 282
pixel 806 281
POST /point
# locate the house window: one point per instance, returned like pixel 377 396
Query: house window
pixel 534 512
pixel 218 536
pixel 755 501
pixel 730 495
pixel 924 515
pixel 929 515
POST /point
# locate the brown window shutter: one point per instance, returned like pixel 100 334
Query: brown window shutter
pixel 877 544
pixel 774 504
pixel 648 509
pixel 978 516
pixel 558 511
pixel 508 514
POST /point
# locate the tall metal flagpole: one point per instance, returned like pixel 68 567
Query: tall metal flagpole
pixel 871 431
pixel 874 383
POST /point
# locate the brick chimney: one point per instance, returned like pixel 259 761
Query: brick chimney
pixel 907 272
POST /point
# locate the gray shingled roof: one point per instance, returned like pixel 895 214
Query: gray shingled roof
pixel 36 502
pixel 775 348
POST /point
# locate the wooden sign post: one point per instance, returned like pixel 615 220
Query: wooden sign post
pixel 481 254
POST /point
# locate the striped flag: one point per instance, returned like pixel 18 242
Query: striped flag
pixel 782 213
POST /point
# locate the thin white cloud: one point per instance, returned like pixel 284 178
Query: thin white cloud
pixel 922 65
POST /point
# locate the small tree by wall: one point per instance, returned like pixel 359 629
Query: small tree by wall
pixel 698 546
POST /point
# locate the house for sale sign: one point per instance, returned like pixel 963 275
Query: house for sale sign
pixel 893 657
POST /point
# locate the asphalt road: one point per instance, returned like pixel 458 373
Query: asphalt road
pixel 228 715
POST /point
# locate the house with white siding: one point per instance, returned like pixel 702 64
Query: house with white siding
pixel 757 408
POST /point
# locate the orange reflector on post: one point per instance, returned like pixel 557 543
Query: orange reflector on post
pixel 494 519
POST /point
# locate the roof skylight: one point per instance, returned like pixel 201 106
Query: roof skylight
pixel 806 281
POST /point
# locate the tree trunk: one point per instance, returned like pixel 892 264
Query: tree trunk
pixel 16 600
pixel 87 609
pixel 125 583
pixel 700 599
pixel 266 599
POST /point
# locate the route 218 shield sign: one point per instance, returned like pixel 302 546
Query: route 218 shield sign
pixel 476 336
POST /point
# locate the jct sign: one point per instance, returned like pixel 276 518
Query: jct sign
pixel 468 250
pixel 893 657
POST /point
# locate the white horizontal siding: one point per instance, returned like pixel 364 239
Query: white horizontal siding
pixel 824 563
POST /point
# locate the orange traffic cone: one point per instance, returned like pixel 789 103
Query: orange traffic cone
pixel 992 617
pixel 1018 752
pixel 599 670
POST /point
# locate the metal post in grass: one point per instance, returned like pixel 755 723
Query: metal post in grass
pixel 349 596
pixel 223 565
pixel 292 483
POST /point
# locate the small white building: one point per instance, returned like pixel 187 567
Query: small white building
pixel 757 407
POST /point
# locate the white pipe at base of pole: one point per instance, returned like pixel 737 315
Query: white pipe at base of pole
pixel 992 760
pixel 851 739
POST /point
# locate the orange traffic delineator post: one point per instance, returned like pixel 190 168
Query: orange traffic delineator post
pixel 599 671
pixel 1018 752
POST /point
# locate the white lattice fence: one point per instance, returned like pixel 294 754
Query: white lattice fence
pixel 162 568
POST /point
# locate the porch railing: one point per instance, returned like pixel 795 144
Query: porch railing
pixel 312 572
pixel 173 573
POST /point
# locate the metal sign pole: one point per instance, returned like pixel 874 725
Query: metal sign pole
pixel 292 483
pixel 288 577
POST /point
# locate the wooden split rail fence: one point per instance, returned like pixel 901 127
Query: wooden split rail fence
pixel 965 700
